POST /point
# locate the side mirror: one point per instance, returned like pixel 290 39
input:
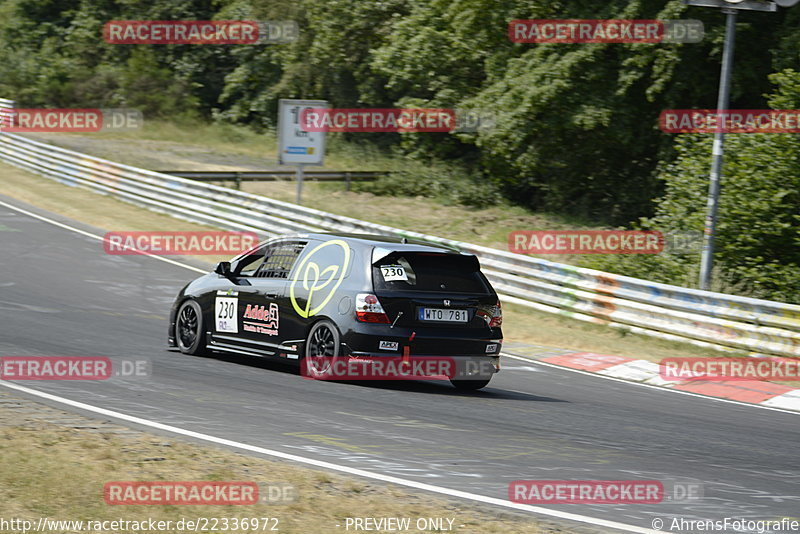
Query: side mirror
pixel 223 268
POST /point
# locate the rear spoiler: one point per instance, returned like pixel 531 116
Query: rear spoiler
pixel 470 260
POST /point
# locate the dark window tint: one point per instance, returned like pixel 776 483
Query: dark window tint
pixel 247 265
pixel 279 260
pixel 449 273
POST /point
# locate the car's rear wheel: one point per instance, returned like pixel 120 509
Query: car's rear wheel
pixel 470 385
pixel 322 350
pixel 189 332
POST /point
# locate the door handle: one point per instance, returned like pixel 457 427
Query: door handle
pixel 271 295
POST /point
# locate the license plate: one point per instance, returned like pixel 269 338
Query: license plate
pixel 443 315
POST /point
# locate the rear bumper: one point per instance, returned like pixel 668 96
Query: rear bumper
pixel 383 340
pixel 413 367
pixel 469 356
pixel 463 364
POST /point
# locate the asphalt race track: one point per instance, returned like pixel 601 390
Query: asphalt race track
pixel 60 294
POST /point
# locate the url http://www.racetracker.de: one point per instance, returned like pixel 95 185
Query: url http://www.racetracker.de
pixel 197 524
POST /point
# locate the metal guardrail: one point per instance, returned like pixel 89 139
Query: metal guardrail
pixel 271 176
pixel 5 110
pixel 708 319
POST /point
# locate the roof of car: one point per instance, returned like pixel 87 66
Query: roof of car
pixel 397 242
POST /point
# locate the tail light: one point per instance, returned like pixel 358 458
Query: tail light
pixel 369 309
pixel 497 316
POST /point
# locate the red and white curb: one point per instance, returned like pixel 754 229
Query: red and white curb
pixel 647 372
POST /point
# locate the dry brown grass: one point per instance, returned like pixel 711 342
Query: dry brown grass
pixel 53 469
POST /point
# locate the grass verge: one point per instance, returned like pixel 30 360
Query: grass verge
pixel 54 464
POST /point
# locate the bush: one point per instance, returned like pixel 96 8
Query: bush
pixel 444 184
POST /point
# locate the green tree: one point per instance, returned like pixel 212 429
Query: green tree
pixel 758 230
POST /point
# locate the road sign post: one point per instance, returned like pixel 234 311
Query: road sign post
pixel 717 152
pixel 730 8
pixel 295 145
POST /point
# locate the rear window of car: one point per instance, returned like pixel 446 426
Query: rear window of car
pixel 423 271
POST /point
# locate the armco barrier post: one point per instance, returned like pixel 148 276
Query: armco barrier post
pixel 5 114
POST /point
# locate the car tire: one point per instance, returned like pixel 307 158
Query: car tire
pixel 321 350
pixel 470 385
pixel 190 335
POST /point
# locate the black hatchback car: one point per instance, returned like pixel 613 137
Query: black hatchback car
pixel 345 296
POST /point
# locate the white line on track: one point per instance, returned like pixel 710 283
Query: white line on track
pixel 101 238
pixel 327 465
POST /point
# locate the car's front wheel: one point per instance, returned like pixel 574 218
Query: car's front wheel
pixel 322 351
pixel 470 385
pixel 189 332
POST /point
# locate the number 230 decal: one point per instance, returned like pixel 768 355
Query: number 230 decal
pixel 225 315
pixel 393 272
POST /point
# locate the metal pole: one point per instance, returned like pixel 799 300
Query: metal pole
pixel 707 258
pixel 299 184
